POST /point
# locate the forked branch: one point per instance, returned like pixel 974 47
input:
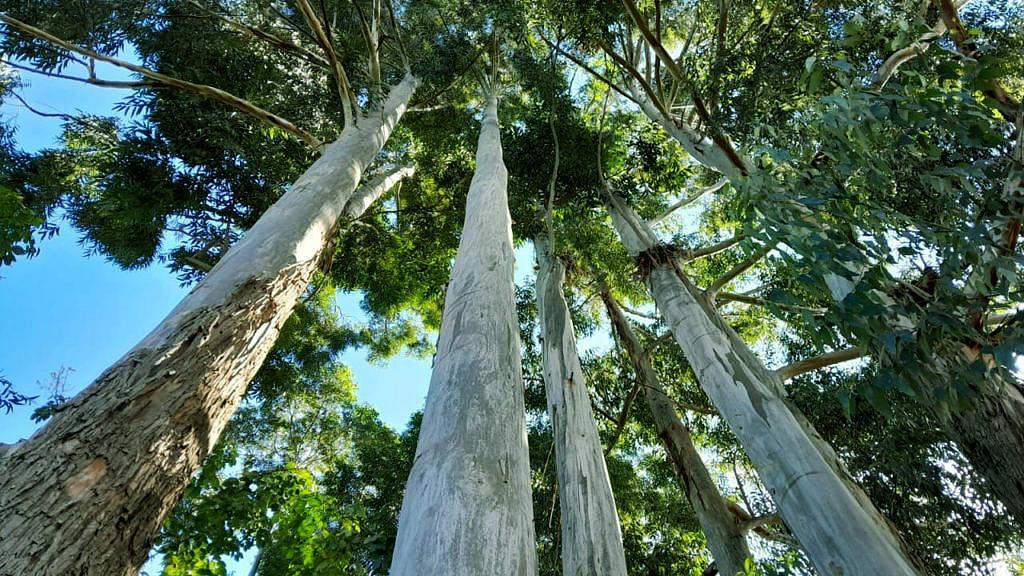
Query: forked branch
pixel 687 201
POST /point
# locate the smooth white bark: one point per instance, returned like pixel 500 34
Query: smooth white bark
pixel 87 494
pixel 701 148
pixel 833 519
pixel 591 537
pixel 467 509
pixel 376 187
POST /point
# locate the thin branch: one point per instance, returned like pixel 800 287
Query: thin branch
pixel 714 248
pixel 61 115
pixel 904 54
pixel 620 424
pixel 687 201
pixel 197 264
pixel 591 71
pixel 293 24
pixel 739 269
pixel 348 99
pixel 370 36
pixel 550 215
pixel 639 79
pixel 269 38
pixel 201 89
pixel 716 136
pixel 637 313
pixel 716 65
pixel 398 35
pixel 731 297
pixel 91 80
pixel 818 362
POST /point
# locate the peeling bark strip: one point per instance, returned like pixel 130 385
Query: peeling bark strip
pixel 591 537
pixel 835 522
pixel 467 509
pixel 86 495
pixel 725 535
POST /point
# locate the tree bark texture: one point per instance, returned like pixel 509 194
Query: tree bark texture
pixel 726 538
pixel 991 435
pixel 835 522
pixel 86 494
pixel 467 509
pixel 591 536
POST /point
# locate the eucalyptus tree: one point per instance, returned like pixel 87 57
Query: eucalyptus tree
pixel 709 108
pixel 725 534
pixel 118 455
pixel 592 540
pixel 467 503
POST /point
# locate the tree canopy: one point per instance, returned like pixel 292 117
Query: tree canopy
pixel 838 185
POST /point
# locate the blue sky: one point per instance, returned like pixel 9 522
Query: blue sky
pixel 64 309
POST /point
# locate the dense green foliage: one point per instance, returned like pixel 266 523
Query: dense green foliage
pixel 874 214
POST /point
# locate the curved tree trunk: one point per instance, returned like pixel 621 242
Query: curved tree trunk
pixel 591 537
pixel 467 509
pixel 86 495
pixel 833 519
pixel 726 537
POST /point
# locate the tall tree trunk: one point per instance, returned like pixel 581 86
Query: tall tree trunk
pixel 591 537
pixel 991 435
pixel 726 537
pixel 86 495
pixel 467 509
pixel 833 519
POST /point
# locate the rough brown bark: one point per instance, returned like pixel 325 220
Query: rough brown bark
pixel 88 493
pixel 725 535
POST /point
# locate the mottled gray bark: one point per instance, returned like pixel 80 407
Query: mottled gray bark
pixel 591 537
pixel 467 509
pixel 86 495
pixel 725 535
pixel 835 522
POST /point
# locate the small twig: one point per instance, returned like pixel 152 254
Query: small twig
pixel 61 115
pixel 623 417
